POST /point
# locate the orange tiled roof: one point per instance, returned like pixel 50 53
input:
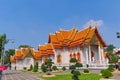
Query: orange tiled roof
pixel 37 55
pixel 72 37
pixel 43 50
pixel 49 48
pixel 46 49
pixel 22 53
pixel 33 51
pixel 12 59
pixel 18 54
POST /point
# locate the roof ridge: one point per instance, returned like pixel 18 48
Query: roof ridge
pixel 85 28
pixel 75 30
pixel 86 34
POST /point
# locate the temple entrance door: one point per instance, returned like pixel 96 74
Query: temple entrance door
pixel 27 62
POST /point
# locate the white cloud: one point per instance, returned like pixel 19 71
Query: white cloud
pixel 97 23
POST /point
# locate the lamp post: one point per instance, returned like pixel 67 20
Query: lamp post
pixel 2 52
pixel 118 34
pixel 3 48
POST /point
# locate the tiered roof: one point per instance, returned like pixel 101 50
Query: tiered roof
pixel 73 37
pixel 63 38
pixel 44 50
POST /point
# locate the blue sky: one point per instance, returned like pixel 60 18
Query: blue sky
pixel 31 21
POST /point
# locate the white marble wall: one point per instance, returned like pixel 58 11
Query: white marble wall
pixel 65 53
pixel 19 64
pixel 27 62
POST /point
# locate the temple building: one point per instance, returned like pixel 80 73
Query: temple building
pixel 86 45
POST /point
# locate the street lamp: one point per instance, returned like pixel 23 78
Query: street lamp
pixel 118 34
pixel 3 48
pixel 2 51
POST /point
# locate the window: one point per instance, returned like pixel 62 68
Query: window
pixel 70 55
pixel 59 59
pixel 74 55
pixel 78 57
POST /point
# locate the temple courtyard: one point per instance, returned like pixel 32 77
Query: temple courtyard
pixel 20 75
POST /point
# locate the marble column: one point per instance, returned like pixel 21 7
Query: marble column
pixel 81 55
pixel 90 53
pixel 103 58
pixel 86 55
pixel 99 51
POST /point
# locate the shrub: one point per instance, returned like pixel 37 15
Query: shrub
pixel 87 65
pixel 54 68
pixel 72 67
pixel 31 67
pixel 119 68
pixel 110 69
pixel 49 64
pixel 78 65
pixel 35 67
pixel 72 71
pixel 24 68
pixel 106 73
pixel 75 75
pixel 86 71
pixel 63 68
pixel 111 65
pixel 102 71
pixel 29 70
pixel 73 60
pixel 43 68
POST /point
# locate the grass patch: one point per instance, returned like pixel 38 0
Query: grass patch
pixel 69 77
pixel 23 70
pixel 89 77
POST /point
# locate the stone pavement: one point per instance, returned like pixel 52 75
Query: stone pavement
pixel 18 75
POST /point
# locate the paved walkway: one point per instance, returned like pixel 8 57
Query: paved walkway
pixel 17 75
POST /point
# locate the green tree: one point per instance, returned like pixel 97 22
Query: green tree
pixel 3 41
pixel 63 68
pixel 75 75
pixel 31 67
pixel 24 46
pixel 72 67
pixel 106 73
pixel 113 58
pixel 43 68
pixel 78 65
pixel 49 64
pixel 73 60
pixel 35 69
pixel 109 49
pixel 8 53
pixel 54 68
